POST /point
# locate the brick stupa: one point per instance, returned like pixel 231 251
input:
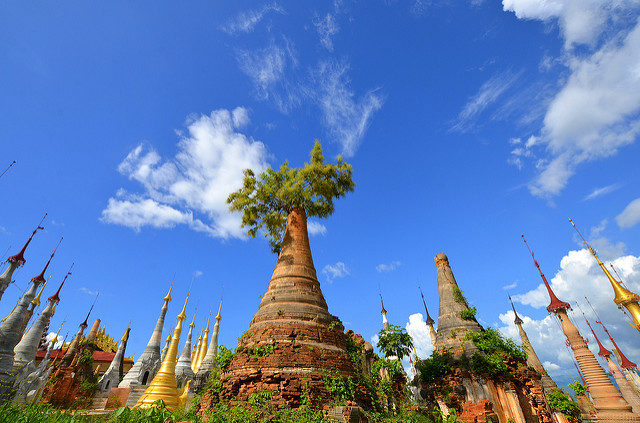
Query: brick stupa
pixel 292 341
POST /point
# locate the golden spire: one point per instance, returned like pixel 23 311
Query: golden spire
pixel 167 297
pixel 193 321
pixel 194 361
pixel 11 312
pixel 125 337
pixel 55 338
pixel 623 297
pixel 205 344
pixel 36 300
pixel 163 386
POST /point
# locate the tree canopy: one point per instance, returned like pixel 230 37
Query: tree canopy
pixel 395 341
pixel 266 200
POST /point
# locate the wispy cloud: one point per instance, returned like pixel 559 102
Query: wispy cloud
pixel 388 267
pixel 598 192
pixel 246 21
pixel 87 291
pixel 510 286
pixel 630 216
pixel 326 27
pixel 271 71
pixel 198 273
pixel 486 96
pixel 346 117
pixel 333 271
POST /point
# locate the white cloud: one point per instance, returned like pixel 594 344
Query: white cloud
pixel 630 216
pixel 579 275
pixel 487 95
pixel 596 111
pixel 581 21
pixel 326 28
pixel 510 286
pixel 388 267
pixel 207 167
pixel 316 228
pixel 51 336
pixel 599 192
pixel 198 273
pixel 419 332
pixel 333 271
pixel 270 71
pixel 87 291
pixel 246 21
pixel 346 117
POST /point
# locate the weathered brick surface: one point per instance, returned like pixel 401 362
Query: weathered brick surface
pixel 292 341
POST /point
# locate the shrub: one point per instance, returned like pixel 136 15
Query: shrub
pixel 223 357
pixel 578 388
pixel 491 341
pixel 469 313
pixel 458 296
pixel 434 367
pixel 341 388
pixel 560 401
pixel 395 341
pixel 263 351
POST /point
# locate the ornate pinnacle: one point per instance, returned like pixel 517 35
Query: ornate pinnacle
pixel 625 363
pixel 193 321
pixel 182 314
pixel 167 297
pixel 85 323
pixel 56 297
pixel 36 300
pixel 517 320
pixel 19 258
pixel 40 277
pixel 555 304
pixel 219 315
pixel 429 320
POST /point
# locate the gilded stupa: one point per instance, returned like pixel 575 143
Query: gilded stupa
pixel 163 386
pixel 623 297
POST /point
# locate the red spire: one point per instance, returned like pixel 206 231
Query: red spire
pixel 429 320
pixel 40 277
pixel 555 304
pixel 603 351
pixel 85 323
pixel 625 363
pixel 56 297
pixel 20 256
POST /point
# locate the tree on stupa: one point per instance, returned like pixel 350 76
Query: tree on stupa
pixel 395 341
pixel 266 200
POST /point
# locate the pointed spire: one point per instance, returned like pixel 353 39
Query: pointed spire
pixel 517 320
pixel 625 363
pixel 19 258
pixel 86 319
pixel 219 315
pixel 56 297
pixel 555 304
pixel 40 277
pixel 163 386
pixel 603 352
pixel 429 320
pixel 167 297
pixel 7 169
pixel 193 321
pixel 623 297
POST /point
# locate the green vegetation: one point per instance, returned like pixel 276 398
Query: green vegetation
pixel 263 351
pixel 469 313
pixel 578 388
pixel 266 201
pixel 340 387
pixel 223 357
pixel 458 296
pixel 560 401
pixel 495 351
pixel 435 367
pixel 395 341
pixel 262 398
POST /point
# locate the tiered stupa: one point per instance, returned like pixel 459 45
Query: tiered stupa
pixel 452 328
pixel 292 340
pixel 623 297
pixel 429 321
pixel 609 404
pixel 383 312
pixel 532 358
pixel 16 261
pixel 627 391
pixel 163 386
pixel 146 366
pixel 184 372
pixel 25 351
pixel 208 363
pixel 114 372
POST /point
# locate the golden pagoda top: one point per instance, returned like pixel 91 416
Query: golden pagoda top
pixel 193 321
pixel 167 297
pixel 622 295
pixel 36 300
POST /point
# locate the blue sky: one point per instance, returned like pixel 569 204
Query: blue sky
pixel 467 124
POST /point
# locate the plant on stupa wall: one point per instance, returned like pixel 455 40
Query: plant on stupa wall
pixel 266 200
pixel 435 367
pixel 578 388
pixel 223 357
pixel 560 401
pixel 495 352
pixel 395 341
